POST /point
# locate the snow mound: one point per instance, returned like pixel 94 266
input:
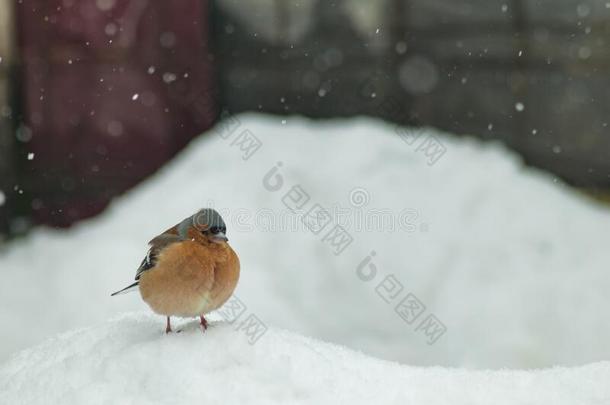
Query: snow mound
pixel 129 360
pixel 514 264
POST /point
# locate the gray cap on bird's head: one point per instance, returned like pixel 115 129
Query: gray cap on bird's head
pixel 208 220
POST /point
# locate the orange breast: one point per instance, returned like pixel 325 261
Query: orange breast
pixel 190 279
pixel 226 276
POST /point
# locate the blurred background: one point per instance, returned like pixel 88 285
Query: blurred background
pixel 457 143
pixel 96 95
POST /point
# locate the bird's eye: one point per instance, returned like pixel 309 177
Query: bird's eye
pixel 215 230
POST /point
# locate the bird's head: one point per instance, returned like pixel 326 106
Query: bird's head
pixel 208 223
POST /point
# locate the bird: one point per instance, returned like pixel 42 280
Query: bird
pixel 190 270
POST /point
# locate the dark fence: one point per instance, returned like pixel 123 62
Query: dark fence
pixel 6 111
pixel 532 73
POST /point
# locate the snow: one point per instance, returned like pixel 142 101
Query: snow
pixel 129 360
pixel 512 263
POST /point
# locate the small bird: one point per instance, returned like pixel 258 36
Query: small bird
pixel 190 269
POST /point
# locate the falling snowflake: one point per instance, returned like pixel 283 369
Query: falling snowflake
pixel 583 10
pixel 401 47
pixel 169 77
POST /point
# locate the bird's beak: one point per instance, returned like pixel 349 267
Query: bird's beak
pixel 219 238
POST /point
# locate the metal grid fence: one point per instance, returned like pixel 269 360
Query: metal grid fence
pixel 532 73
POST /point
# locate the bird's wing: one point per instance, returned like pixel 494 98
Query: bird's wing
pixel 156 246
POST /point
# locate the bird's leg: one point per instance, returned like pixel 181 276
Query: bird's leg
pixel 168 328
pixel 204 323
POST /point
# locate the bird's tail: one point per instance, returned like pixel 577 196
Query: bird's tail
pixel 126 289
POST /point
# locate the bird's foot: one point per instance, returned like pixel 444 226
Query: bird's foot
pixel 168 328
pixel 204 323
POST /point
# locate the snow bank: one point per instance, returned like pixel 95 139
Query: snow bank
pixel 130 361
pixel 513 263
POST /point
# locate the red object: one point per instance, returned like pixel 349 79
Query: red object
pixel 112 90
